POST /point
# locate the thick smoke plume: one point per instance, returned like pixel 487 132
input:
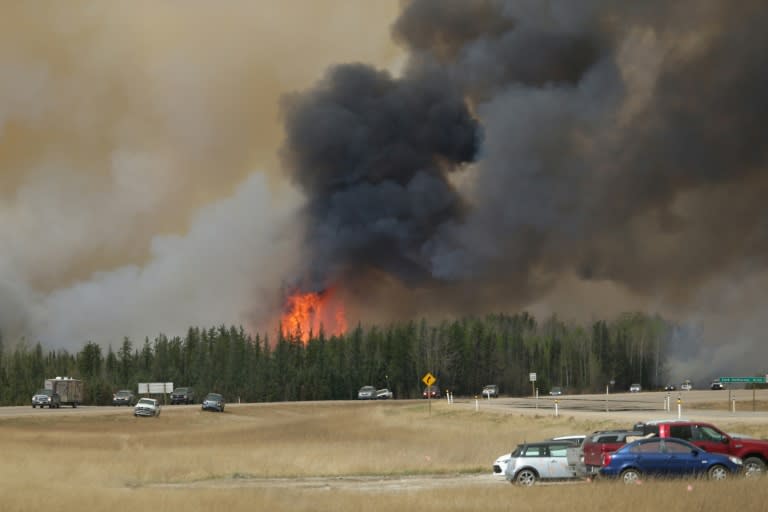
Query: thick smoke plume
pixel 140 190
pixel 621 154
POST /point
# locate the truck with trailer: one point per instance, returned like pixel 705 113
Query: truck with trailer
pixel 70 390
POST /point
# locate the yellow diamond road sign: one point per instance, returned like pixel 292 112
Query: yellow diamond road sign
pixel 428 379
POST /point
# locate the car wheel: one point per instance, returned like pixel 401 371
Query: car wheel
pixel 718 472
pixel 33 406
pixel 526 477
pixel 630 476
pixel 754 467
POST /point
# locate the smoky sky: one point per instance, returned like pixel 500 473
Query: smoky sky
pixel 441 157
pixel 604 141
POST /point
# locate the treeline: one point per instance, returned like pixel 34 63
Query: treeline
pixel 464 355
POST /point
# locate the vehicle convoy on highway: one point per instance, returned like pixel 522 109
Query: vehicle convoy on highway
pixel 667 457
pixel 59 391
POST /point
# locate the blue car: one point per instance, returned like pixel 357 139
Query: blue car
pixel 669 457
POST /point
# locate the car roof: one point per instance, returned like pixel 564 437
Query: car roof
pixel 564 442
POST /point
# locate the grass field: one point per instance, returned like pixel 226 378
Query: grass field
pixel 313 456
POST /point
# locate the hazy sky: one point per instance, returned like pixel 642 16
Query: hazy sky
pixel 167 164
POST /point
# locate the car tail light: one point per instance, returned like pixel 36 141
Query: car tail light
pixel 606 459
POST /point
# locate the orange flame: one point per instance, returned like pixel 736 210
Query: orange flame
pixel 306 313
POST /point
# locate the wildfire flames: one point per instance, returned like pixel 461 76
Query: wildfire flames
pixel 304 313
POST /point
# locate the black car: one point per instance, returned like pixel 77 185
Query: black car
pixel 124 397
pixel 670 387
pixel 716 385
pixel 213 402
pixel 184 395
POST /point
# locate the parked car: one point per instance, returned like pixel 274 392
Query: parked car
pixel 147 407
pixel 383 394
pixel 185 395
pixel 635 388
pixel 46 397
pixel 597 444
pixel 500 464
pixel 556 391
pixel 431 392
pixel 717 385
pixel 124 397
pixel 666 458
pixel 213 402
pixel 366 393
pixel 491 391
pixel 670 387
pixel 754 452
pixel 545 460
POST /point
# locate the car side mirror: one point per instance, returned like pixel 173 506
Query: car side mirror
pixel 726 440
pixel 695 453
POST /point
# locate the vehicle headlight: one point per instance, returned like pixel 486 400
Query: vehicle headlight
pixel 735 460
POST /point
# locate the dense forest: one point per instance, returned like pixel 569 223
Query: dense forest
pixel 464 355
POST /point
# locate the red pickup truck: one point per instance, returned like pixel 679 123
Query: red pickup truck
pixel 754 452
pixel 596 445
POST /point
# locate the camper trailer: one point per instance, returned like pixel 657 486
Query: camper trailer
pixel 70 391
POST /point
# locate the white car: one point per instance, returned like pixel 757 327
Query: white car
pixel 546 460
pixel 383 394
pixel 500 464
pixel 147 407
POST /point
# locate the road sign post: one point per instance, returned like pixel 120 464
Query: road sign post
pixel 429 380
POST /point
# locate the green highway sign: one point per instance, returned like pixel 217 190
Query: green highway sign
pixel 750 380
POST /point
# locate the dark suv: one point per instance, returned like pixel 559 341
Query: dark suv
pixel 124 397
pixel 183 396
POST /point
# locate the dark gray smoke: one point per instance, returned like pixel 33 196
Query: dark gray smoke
pixel 622 143
pixel 372 154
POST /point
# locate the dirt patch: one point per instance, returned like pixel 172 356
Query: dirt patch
pixel 367 484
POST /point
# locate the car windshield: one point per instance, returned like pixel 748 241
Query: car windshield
pixel 213 396
pixel 147 401
pixel 45 392
pixel 123 393
pixel 180 390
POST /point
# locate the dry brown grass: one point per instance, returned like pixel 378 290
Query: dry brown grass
pixel 193 461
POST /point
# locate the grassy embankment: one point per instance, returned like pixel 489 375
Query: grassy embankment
pixel 303 456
